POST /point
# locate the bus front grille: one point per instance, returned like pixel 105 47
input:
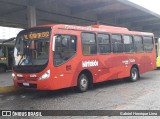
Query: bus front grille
pixel 27 79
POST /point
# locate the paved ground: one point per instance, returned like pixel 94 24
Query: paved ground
pixel 6 79
pixel 116 95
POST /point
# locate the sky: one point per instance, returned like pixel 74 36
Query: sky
pixel 153 5
pixel 8 32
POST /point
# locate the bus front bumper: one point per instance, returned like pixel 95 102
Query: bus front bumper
pixel 37 85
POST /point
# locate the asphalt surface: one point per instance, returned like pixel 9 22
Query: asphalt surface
pixel 6 79
pixel 111 95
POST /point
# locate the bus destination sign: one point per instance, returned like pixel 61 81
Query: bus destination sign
pixel 37 35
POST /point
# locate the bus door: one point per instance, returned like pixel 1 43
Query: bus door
pixel 64 60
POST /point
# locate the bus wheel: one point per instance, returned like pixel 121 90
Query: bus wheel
pixel 83 83
pixel 134 74
pixel 2 68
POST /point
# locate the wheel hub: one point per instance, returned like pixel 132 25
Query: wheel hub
pixel 83 83
pixel 134 75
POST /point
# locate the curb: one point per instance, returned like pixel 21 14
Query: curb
pixel 8 89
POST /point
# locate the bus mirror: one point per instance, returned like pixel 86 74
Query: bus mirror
pixel 53 44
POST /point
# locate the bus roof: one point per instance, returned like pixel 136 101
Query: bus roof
pixel 109 27
pixel 97 28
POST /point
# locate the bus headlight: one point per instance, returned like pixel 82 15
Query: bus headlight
pixel 45 75
pixel 20 75
pixel 13 75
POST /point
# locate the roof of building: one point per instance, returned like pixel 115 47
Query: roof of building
pixel 122 13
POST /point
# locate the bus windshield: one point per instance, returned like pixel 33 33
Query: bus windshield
pixel 2 51
pixel 32 47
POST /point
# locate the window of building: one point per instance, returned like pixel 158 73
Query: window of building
pixel 128 43
pixel 148 44
pixel 117 45
pixel 103 43
pixel 89 43
pixel 138 44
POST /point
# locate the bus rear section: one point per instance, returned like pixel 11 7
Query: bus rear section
pixel 61 56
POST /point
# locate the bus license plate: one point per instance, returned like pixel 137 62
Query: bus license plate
pixel 26 84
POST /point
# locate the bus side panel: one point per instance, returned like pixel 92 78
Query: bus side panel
pixel 146 61
pixel 113 67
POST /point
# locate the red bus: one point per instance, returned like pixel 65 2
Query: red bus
pixel 57 56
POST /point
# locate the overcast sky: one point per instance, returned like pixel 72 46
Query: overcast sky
pixel 6 33
pixel 153 5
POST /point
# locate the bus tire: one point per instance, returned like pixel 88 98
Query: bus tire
pixel 3 68
pixel 134 74
pixel 83 83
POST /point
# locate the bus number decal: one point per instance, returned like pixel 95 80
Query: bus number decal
pixel 90 63
pixel 68 67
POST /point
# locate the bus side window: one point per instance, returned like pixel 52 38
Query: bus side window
pixel 128 43
pixel 3 51
pixel 103 43
pixel 88 43
pixel 117 45
pixel 148 43
pixel 138 44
